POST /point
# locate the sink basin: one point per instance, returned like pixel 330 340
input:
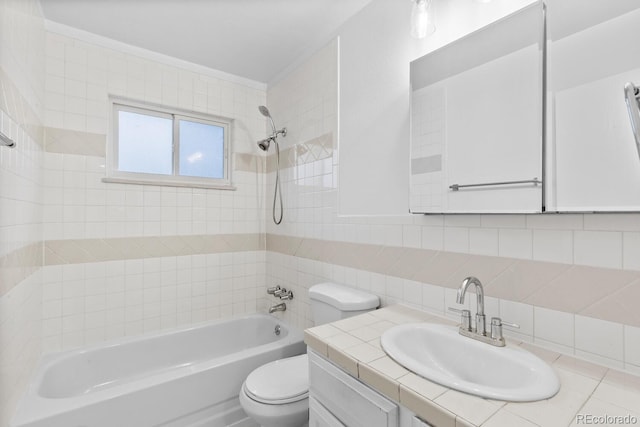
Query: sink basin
pixel 440 354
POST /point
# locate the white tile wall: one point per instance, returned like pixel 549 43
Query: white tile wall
pixel 553 246
pixel 20 322
pixel 79 205
pixel 21 98
pixel 601 338
pixel 81 75
pixel 89 303
pixel 554 327
pixel 598 248
pixel 632 347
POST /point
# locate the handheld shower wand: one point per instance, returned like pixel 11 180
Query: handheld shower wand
pixel 264 146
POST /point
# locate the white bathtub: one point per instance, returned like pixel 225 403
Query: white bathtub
pixel 186 377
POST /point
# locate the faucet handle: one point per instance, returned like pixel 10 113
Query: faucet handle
pixel 286 295
pixel 272 291
pixel 465 318
pixel 499 322
pixel 510 325
pixel 496 327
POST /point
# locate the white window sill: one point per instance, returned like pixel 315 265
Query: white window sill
pixel 168 183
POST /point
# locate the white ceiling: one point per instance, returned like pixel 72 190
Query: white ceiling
pixel 255 39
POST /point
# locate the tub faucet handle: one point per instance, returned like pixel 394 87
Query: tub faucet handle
pixel 285 294
pixel 280 291
pixel 273 290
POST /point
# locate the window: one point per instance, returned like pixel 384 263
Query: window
pixel 156 145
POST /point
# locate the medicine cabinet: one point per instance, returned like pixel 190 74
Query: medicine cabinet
pixel 477 120
pixel 504 123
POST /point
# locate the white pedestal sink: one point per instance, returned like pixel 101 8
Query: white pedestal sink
pixel 440 354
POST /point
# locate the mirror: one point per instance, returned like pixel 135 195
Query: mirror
pixel 477 120
pixel 592 158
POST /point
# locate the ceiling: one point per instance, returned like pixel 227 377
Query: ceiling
pixel 255 39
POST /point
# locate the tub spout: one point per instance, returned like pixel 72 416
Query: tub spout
pixel 278 307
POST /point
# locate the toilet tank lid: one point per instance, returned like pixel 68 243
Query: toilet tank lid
pixel 342 297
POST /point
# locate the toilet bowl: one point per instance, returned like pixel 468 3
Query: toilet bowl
pixel 277 394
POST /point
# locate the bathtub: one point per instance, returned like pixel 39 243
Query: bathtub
pixel 185 377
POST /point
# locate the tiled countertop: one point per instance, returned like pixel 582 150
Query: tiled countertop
pixel 586 389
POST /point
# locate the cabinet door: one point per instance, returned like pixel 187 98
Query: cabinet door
pixel 320 417
pixel 347 399
pixel 592 158
pixel 476 120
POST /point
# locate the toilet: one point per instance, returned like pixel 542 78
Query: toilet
pixel 277 394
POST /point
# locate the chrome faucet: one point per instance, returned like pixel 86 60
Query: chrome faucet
pixel 480 318
pixel 479 332
pixel 278 307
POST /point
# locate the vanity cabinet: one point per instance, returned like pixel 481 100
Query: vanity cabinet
pixel 319 416
pixel 336 399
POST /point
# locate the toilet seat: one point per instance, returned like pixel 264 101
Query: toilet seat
pixel 280 382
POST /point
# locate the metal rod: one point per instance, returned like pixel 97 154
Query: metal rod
pixel 6 141
pixel 534 181
pixel 631 95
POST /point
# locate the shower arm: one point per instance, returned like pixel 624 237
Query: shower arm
pixel 282 132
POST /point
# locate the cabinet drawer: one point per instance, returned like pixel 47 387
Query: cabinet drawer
pixel 417 422
pixel 350 401
pixel 320 417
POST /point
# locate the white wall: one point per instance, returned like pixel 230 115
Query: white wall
pixel 374 111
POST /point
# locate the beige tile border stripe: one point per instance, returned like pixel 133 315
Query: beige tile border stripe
pixel 315 149
pixel 68 141
pixel 18 265
pixel 80 251
pixel 602 293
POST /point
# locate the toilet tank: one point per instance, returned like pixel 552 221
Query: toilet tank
pixel 331 302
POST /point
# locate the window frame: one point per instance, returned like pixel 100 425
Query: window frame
pixel 114 175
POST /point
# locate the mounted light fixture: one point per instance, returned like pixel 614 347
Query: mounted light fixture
pixel 422 19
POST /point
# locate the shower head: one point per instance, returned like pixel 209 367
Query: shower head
pixel 264 144
pixel 265 112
